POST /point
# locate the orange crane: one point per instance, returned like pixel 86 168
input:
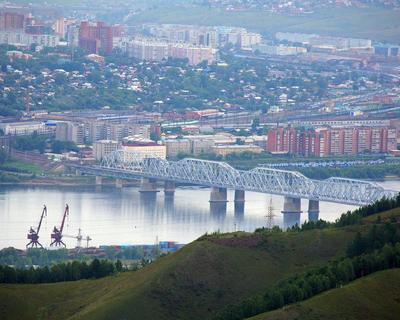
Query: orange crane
pixel 33 234
pixel 57 233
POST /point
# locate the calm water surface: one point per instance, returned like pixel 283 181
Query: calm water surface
pixel 114 216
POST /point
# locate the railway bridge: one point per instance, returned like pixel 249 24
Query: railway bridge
pixel 220 176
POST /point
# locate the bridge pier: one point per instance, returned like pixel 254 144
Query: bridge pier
pixel 148 186
pixel 291 219
pixel 313 210
pixel 218 195
pixel 239 202
pixel 239 196
pixel 218 210
pixel 239 208
pixel 119 183
pixel 291 205
pixel 169 188
pixel 99 180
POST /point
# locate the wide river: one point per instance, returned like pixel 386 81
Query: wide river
pixel 112 216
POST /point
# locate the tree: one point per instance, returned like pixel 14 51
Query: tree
pixel 118 266
pixel 76 270
pixel 3 156
pixel 9 275
pixel 60 79
pixel 357 246
pixel 63 146
pixel 32 142
pixel 95 268
pixel 275 300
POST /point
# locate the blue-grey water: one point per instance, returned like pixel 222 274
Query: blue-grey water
pixel 123 216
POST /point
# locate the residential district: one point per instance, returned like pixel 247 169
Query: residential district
pixel 185 90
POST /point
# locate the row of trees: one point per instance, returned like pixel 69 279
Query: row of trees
pixel 357 264
pixel 375 238
pixel 311 283
pixel 70 271
pixel 40 143
pixel 32 142
pixel 355 216
pixel 43 257
pixel 346 219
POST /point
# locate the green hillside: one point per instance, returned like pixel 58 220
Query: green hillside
pixel 195 282
pixel 376 296
pixel 373 23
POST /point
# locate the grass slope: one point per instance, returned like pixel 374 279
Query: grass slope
pixel 376 296
pixel 195 282
pixel 21 167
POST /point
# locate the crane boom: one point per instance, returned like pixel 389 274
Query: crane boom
pixel 44 213
pixel 57 233
pixel 33 234
pixel 66 213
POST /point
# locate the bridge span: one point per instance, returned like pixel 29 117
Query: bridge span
pixel 220 176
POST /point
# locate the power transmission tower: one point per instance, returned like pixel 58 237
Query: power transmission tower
pixel 270 215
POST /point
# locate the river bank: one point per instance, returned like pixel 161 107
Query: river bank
pixel 23 179
pixel 67 181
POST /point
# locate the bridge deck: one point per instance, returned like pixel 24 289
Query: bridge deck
pixel 220 174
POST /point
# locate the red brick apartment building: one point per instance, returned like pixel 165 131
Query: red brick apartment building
pixel 322 142
pixel 97 37
pixel 11 21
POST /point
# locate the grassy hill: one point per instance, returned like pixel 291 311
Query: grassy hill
pixel 373 23
pixel 195 282
pixel 376 296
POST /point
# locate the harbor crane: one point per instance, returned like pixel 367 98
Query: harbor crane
pixel 87 241
pixel 79 238
pixel 57 233
pixel 33 234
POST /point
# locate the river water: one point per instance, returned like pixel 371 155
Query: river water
pixel 112 216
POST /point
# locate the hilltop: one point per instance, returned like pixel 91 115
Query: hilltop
pixel 196 282
pixel 376 296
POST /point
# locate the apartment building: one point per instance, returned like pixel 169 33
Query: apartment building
pixel 71 131
pixel 12 20
pixel 156 50
pixel 224 150
pixel 96 38
pixel 279 50
pixel 25 128
pixel 249 39
pixel 174 147
pixel 139 148
pixel 102 148
pixel 21 38
pixel 92 131
pixel 322 142
pixel 195 35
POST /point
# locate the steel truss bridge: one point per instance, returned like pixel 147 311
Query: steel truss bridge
pixel 128 165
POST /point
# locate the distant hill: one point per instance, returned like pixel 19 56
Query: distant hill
pixel 372 23
pixel 376 296
pixel 194 283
